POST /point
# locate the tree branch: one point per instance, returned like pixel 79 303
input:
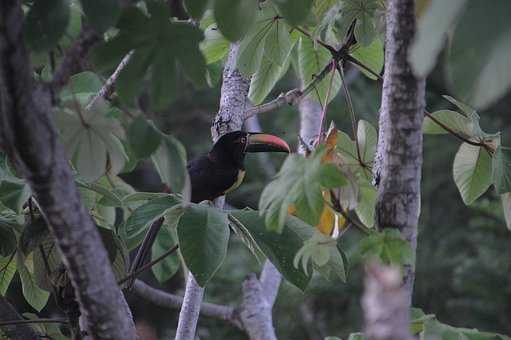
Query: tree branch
pixel 19 332
pixel 167 300
pixel 30 139
pixel 399 153
pixel 71 62
pixel 385 305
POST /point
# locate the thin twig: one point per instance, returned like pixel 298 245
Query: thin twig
pixel 336 205
pixel 148 265
pixel 352 112
pixel 327 98
pixel 24 322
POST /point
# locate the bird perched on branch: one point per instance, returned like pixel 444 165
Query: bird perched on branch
pixel 216 173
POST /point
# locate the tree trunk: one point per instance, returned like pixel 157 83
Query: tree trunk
pixel 399 155
pixel 30 139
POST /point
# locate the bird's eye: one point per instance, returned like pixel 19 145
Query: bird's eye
pixel 243 140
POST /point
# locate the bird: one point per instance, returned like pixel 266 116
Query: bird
pixel 216 173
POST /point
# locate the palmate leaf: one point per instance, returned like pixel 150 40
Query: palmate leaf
pixel 7 274
pixel 263 81
pixel 294 11
pixel 388 247
pixel 363 11
pixel 235 17
pixel 45 23
pixel 214 47
pixel 311 61
pixel 371 56
pixel 35 296
pixel 144 138
pixel 203 234
pixel 101 14
pixel 92 140
pixel 280 249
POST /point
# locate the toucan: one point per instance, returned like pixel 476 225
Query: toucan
pixel 216 173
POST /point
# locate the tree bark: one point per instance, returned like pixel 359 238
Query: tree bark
pixel 385 304
pixel 399 154
pixel 30 139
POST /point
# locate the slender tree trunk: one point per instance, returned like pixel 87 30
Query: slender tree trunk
pixel 399 155
pixel 30 139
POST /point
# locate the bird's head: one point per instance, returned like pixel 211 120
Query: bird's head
pixel 232 147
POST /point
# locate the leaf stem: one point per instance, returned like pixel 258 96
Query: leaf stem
pixel 327 98
pixel 24 322
pixel 336 205
pixel 148 265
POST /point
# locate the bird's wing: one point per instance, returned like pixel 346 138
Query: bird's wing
pixel 208 180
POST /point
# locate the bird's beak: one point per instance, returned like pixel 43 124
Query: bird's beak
pixel 261 142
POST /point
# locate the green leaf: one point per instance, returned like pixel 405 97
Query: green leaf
pixel 35 296
pixel 14 194
pixel 388 246
pixel 130 80
pixel 298 182
pixel 91 140
pixel 357 336
pixel 331 176
pixel 214 47
pixel 196 8
pixel 365 208
pixel 234 17
pixel 109 197
pixel 170 162
pixel 6 275
pixel 294 11
pixel 101 14
pixel 251 49
pixel 472 172
pixel 82 86
pixel 501 165
pixel 432 30
pixel 143 137
pixel 264 80
pixel 363 11
pixel 45 24
pixel 167 267
pixel 477 63
pixel 367 139
pixel 281 248
pixel 7 240
pixel 203 234
pixel 311 61
pixel 163 80
pixel 451 119
pixel 371 56
pixel 278 45
pixel 146 214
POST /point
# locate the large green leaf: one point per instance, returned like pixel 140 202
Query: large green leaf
pixel 146 214
pixel 143 137
pixel 432 30
pixel 81 87
pixel 388 246
pixel 92 140
pixel 234 17
pixel 452 119
pixel 477 63
pixel 131 78
pixel 311 61
pixel 265 78
pixel 279 248
pixel 506 207
pixel 278 44
pixel 45 23
pixel 101 13
pixel 8 264
pixel 367 139
pixel 433 329
pixel 472 172
pixel 7 239
pixel 203 234
pixel 371 56
pixel 214 47
pixel 35 296
pixel 363 11
pixel 14 194
pixel 501 164
pixel 251 48
pixel 294 11
pixel 365 208
pixel 170 162
pixel 167 267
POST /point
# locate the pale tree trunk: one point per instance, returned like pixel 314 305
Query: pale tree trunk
pixel 399 155
pixel 385 304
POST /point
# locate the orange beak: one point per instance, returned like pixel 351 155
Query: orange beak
pixel 261 142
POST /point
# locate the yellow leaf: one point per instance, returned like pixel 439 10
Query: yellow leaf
pixel 291 209
pixel 330 142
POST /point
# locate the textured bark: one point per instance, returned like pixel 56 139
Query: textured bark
pixel 385 304
pixel 190 309
pixel 17 332
pixel 233 98
pixel 30 139
pixel 399 154
pixel 310 122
